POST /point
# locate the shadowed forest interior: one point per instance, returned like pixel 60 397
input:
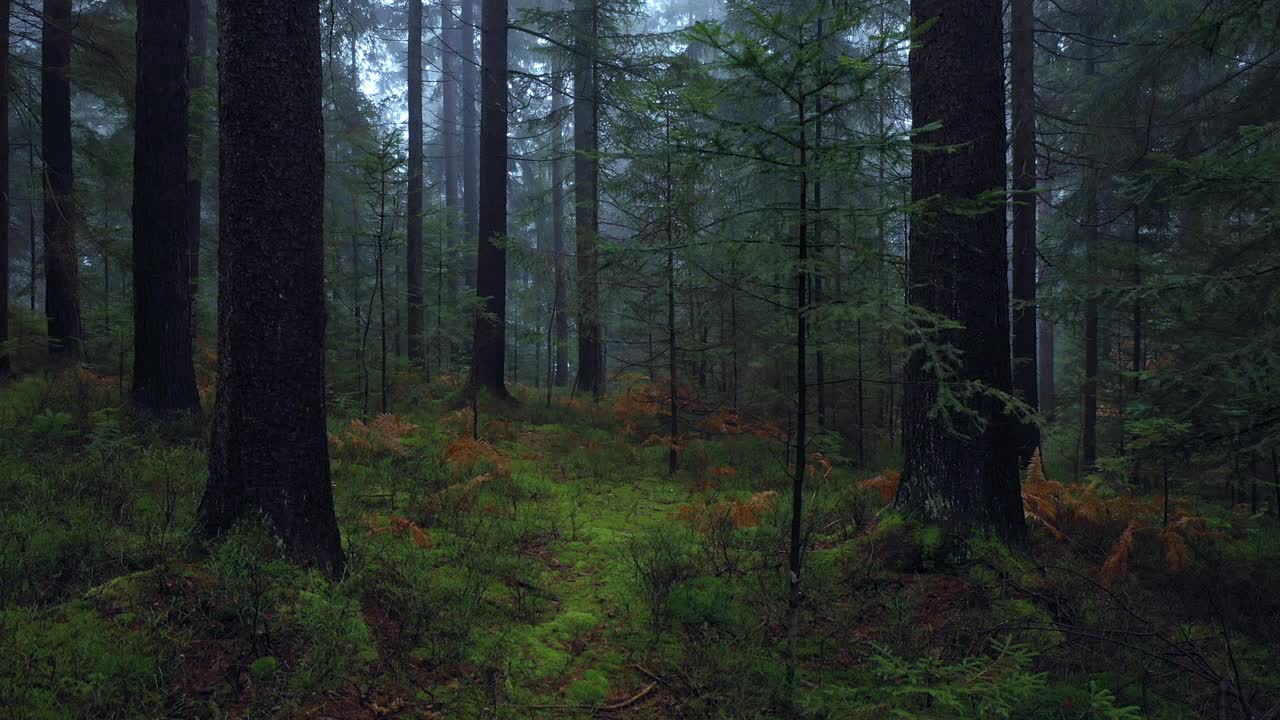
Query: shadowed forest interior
pixel 810 359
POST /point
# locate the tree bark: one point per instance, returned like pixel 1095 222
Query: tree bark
pixel 4 193
pixel 962 470
pixel 269 454
pixel 489 351
pixel 469 96
pixel 198 82
pixel 164 379
pixel 1022 63
pixel 449 123
pixel 413 240
pixel 561 298
pixel 586 217
pixel 61 260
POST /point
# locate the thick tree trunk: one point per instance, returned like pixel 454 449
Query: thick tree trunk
pixel 469 95
pixel 413 240
pixel 4 193
pixel 586 169
pixel 198 82
pixel 958 268
pixel 164 379
pixel 61 260
pixel 557 229
pixel 269 454
pixel 1025 383
pixel 489 351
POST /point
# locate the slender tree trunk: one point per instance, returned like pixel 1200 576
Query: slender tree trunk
pixel 198 82
pixel 61 260
pixel 488 353
pixel 1045 358
pixel 413 240
pixel 1089 406
pixel 269 451
pixel 557 229
pixel 795 555
pixel 958 266
pixel 164 379
pixel 469 95
pixel 31 212
pixel 4 193
pixel 1025 383
pixel 586 220
pixel 673 456
pixel 452 69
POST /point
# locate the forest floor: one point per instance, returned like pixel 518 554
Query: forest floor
pixel 541 563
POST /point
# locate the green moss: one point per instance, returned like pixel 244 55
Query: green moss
pixel 264 668
pixel 592 689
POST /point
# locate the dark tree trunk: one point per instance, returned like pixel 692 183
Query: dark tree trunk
pixel 198 81
pixel 164 379
pixel 61 261
pixel 586 169
pixel 1025 383
pixel 469 96
pixel 958 268
pixel 557 229
pixel 4 193
pixel 413 241
pixel 1089 420
pixel 269 453
pixel 488 353
pixel 1044 356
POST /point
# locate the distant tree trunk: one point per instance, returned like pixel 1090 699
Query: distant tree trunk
pixel 164 379
pixel 489 350
pixel 413 241
pixel 269 453
pixel 1092 219
pixel 470 94
pixel 4 193
pixel 586 218
pixel 198 81
pixel 958 265
pixel 557 229
pixel 449 123
pixel 1025 383
pixel 1044 355
pixel 61 260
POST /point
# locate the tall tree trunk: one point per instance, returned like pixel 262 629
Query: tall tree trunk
pixel 413 240
pixel 1025 383
pixel 451 66
pixel 586 169
pixel 164 378
pixel 269 452
pixel 469 96
pixel 198 82
pixel 561 298
pixel 489 350
pixel 61 260
pixel 1046 348
pixel 4 192
pixel 958 268
pixel 1092 219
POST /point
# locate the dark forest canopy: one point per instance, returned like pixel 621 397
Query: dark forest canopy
pixel 737 358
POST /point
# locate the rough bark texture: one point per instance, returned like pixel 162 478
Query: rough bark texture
pixel 61 261
pixel 198 81
pixel 489 351
pixel 164 378
pixel 1025 383
pixel 468 96
pixel 269 454
pixel 586 169
pixel 557 229
pixel 413 243
pixel 4 192
pixel 958 269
